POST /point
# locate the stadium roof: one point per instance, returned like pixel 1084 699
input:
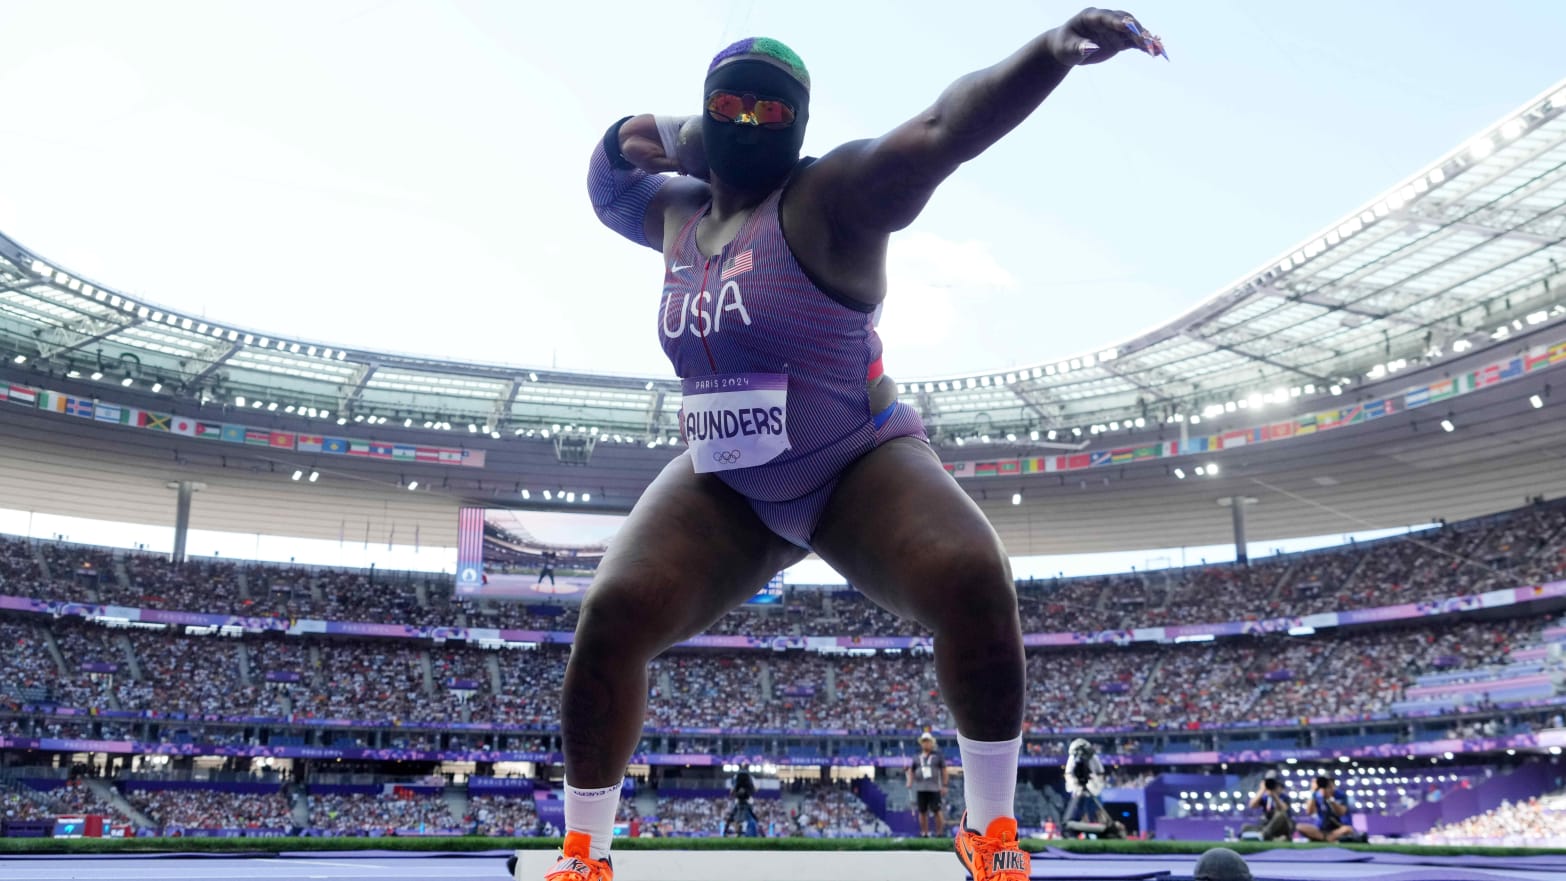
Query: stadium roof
pixel 1453 255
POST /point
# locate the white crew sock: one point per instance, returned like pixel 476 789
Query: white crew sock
pixel 592 811
pixel 989 779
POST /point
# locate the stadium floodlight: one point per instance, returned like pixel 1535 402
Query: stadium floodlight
pixel 298 474
pixel 1114 426
pixel 239 400
pixel 1200 471
pixel 1537 402
pixel 1011 437
pixel 544 433
pixel 547 496
pixel 1212 469
pixel 1050 435
pixel 1336 389
pixel 1179 473
pixel 1076 432
pixel 127 382
pixel 959 440
pixel 97 375
pixel 314 476
pixel 494 435
pixel 19 359
pixel 1447 426
pixel 255 405
pixel 1139 422
pixel 271 406
pixel 472 428
pixel 570 497
pixel 984 438
pixel 526 494
pixel 1016 498
pixel 289 408
pixel 74 374
pixel 587 497
pixel 1481 148
pixel 532 377
pixel 157 387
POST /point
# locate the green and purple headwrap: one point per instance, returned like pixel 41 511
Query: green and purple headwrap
pixel 768 48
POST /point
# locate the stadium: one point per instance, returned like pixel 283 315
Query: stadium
pixel 1395 368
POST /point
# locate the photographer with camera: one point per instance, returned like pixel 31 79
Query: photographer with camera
pixel 927 779
pixel 742 817
pixel 1084 781
pixel 1332 814
pixel 1277 814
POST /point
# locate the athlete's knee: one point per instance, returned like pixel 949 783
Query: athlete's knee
pixel 633 618
pixel 969 582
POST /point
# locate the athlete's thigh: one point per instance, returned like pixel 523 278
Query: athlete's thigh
pixel 690 551
pixel 900 529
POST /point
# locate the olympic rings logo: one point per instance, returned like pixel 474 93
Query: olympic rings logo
pixel 726 457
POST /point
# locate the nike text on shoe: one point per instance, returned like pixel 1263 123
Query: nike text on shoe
pixel 993 856
pixel 575 864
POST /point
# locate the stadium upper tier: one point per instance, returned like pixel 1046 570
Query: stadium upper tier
pixel 1459 255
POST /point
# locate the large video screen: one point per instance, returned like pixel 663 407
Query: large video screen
pixel 505 553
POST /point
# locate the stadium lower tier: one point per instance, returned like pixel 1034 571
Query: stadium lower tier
pixel 1512 804
pixel 1452 677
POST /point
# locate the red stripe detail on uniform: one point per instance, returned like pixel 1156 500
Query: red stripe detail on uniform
pixel 875 372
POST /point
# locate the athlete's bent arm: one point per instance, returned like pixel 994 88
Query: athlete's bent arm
pixel 880 186
pixel 630 194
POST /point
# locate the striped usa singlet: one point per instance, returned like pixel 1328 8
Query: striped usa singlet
pixel 752 309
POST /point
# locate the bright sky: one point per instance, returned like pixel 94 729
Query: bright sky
pixel 408 175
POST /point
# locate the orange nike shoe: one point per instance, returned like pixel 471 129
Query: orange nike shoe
pixel 993 856
pixel 576 865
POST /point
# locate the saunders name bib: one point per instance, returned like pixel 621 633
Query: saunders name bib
pixel 735 420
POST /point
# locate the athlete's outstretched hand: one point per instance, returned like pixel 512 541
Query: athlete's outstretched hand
pixel 1097 35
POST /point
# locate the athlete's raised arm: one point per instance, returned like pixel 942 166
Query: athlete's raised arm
pixel 626 182
pixel 875 187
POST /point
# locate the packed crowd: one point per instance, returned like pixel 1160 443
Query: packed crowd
pixel 1148 687
pixel 1519 547
pixel 834 811
pixel 380 814
pixel 689 691
pixel 16 805
pixel 1537 822
pixel 213 809
pixel 504 815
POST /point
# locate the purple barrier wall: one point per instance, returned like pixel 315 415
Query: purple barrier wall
pixel 551 811
pixel 1481 687
pixel 1524 783
pixel 901 822
pixel 27 829
pixel 1195 829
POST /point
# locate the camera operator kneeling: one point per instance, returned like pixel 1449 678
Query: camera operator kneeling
pixel 1277 814
pixel 1332 815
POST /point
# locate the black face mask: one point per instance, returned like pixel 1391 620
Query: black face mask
pixel 752 158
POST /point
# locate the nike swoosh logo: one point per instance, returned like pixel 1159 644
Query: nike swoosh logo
pixel 677 267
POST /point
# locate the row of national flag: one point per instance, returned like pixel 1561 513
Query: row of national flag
pixel 168 423
pixel 1537 358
